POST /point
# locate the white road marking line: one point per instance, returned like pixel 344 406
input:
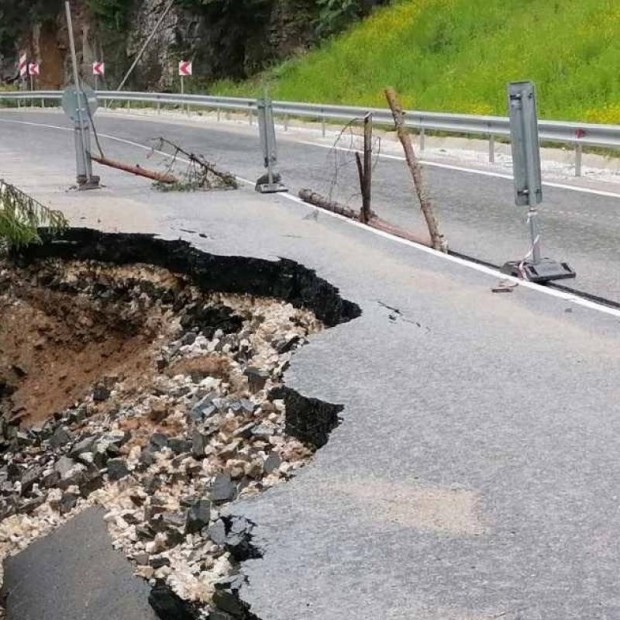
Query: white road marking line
pixel 569 297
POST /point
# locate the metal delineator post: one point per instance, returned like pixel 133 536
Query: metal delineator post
pixel 85 178
pixel 269 183
pixel 491 148
pixel 578 159
pixel 528 183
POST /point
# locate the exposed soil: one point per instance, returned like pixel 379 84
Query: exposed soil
pixel 57 345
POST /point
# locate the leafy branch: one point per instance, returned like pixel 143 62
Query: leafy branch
pixel 21 217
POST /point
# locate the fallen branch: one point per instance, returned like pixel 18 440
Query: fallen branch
pixel 437 240
pixel 322 202
pixel 379 224
pixel 318 200
pixel 198 178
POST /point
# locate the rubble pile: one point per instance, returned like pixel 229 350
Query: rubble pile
pixel 164 444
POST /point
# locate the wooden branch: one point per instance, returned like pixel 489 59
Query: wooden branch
pixel 437 239
pixel 367 175
pixel 360 174
pixel 374 222
pixel 162 177
pixel 318 200
pixel 226 177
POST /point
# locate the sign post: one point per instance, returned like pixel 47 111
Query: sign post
pixel 98 70
pixel 528 183
pixel 185 70
pixel 34 71
pixel 23 71
pixel 77 107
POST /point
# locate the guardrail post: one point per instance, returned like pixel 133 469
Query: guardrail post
pixel 42 102
pixel 250 114
pixel 286 122
pixel 323 126
pixel 422 139
pixel 578 158
pixel 158 106
pixel 492 149
pixel 219 114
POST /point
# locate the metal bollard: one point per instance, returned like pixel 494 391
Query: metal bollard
pixel 578 158
pixel 492 149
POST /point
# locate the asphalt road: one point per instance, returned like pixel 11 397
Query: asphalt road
pixel 476 212
pixel 475 474
pixel 74 574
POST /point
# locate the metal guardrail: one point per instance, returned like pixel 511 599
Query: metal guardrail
pixel 576 135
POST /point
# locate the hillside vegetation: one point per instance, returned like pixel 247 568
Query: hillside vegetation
pixel 458 55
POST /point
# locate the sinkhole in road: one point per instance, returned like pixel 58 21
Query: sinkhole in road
pixel 146 376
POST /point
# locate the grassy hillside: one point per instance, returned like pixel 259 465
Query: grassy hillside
pixel 458 55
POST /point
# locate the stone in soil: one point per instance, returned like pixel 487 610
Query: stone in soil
pixel 198 516
pixel 223 489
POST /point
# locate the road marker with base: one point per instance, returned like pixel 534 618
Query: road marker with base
pixel 269 183
pixel 528 184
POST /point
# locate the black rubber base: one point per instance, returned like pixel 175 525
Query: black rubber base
pixel 546 270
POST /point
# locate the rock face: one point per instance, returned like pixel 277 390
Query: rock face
pixel 225 39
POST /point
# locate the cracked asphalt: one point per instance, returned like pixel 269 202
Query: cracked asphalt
pixel 475 472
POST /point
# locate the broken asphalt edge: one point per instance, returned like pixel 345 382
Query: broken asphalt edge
pixel 308 419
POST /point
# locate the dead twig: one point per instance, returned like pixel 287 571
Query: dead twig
pixel 200 173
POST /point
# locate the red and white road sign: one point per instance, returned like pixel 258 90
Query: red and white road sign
pixel 23 65
pixel 33 69
pixel 185 68
pixel 99 68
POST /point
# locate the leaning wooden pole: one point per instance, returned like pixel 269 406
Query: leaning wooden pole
pixel 162 177
pixel 367 186
pixel 437 239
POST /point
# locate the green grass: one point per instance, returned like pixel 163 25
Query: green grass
pixel 458 55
